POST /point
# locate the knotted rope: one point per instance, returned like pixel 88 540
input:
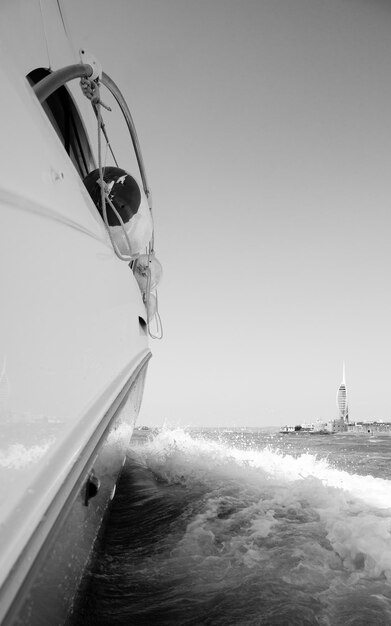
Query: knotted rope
pixel 91 90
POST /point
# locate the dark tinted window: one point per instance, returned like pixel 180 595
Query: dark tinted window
pixel 65 119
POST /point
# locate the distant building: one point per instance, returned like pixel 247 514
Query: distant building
pixel 341 423
pixel 370 428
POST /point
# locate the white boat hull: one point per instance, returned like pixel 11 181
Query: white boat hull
pixel 73 350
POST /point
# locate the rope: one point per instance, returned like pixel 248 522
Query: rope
pixel 104 197
pixel 103 128
pixel 159 325
pixel 91 90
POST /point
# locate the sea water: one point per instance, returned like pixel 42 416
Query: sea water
pixel 243 527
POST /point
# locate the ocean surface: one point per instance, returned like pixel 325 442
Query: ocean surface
pixel 245 527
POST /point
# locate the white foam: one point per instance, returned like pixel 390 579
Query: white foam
pixel 18 456
pixel 352 512
pixel 176 447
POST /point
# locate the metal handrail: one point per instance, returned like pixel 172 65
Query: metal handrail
pixel 48 85
pixel 57 79
pixel 112 87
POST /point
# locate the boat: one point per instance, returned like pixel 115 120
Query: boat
pixel 312 428
pixel 288 429
pixel 79 305
pixel 322 431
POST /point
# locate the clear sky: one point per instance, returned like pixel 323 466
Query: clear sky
pixel 266 132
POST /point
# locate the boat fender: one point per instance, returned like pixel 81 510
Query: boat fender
pixel 131 208
pixel 147 269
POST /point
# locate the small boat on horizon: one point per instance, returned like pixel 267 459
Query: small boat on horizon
pixel 313 428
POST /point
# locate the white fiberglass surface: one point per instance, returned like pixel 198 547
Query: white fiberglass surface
pixel 35 165
pixel 69 340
